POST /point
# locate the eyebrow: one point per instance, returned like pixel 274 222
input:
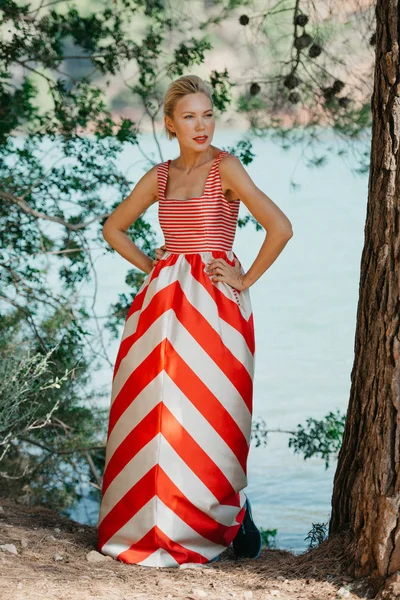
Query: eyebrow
pixel 190 112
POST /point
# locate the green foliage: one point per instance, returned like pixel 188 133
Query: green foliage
pixel 317 534
pixel 221 85
pixel 191 52
pixel 243 150
pixel 259 432
pixel 268 537
pixel 24 380
pixel 321 438
pixel 46 420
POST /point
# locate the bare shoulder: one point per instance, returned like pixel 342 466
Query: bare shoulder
pixel 232 171
pixel 151 175
pixel 142 196
pixel 148 183
pixel 229 163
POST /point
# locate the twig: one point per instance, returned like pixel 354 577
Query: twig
pixel 55 451
pixel 39 215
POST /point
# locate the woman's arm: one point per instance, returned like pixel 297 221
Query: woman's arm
pixel 143 195
pixel 265 211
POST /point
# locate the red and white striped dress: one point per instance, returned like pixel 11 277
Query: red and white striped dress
pixel 181 405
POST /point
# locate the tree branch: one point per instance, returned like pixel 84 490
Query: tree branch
pixel 40 215
pixel 29 318
pixel 54 451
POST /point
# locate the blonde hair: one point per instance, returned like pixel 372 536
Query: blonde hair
pixel 187 84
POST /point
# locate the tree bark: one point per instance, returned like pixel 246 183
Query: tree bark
pixel 366 494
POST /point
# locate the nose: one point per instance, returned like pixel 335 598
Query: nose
pixel 200 124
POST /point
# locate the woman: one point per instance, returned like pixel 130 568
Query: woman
pixel 181 406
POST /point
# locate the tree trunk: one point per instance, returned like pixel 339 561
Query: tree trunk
pixel 366 494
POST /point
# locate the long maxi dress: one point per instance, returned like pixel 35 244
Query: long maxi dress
pixel 181 402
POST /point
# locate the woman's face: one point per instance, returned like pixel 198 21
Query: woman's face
pixel 193 121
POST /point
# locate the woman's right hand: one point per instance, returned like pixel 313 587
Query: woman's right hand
pixel 159 252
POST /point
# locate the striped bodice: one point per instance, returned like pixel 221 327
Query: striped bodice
pixel 197 224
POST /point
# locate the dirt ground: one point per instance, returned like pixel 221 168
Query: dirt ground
pixel 53 563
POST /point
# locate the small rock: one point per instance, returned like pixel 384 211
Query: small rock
pixel 275 593
pixel 24 543
pixel 57 529
pixel 163 582
pixel 52 538
pixel 343 593
pixel 9 548
pixel 95 557
pixel 247 594
pixel 280 577
pixel 80 529
pixel 19 585
pixel 58 557
pixel 199 593
pixel 233 594
pixel 191 566
pixel 1 510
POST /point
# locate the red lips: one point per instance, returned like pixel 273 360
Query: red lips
pixel 201 139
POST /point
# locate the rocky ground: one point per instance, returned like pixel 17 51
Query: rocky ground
pixel 48 557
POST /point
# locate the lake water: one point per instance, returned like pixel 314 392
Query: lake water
pixel 304 313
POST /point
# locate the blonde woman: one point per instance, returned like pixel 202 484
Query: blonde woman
pixel 182 389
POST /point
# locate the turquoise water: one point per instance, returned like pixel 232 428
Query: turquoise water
pixel 304 312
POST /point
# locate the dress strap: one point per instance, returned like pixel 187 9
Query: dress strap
pixel 218 158
pixel 221 155
pixel 213 181
pixel 162 176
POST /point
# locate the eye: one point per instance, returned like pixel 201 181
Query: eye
pixel 187 116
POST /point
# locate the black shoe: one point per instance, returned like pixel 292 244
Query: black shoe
pixel 248 540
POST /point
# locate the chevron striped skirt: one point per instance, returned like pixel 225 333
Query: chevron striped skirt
pixel 180 418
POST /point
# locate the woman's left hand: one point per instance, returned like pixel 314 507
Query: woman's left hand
pixel 159 252
pixel 223 271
